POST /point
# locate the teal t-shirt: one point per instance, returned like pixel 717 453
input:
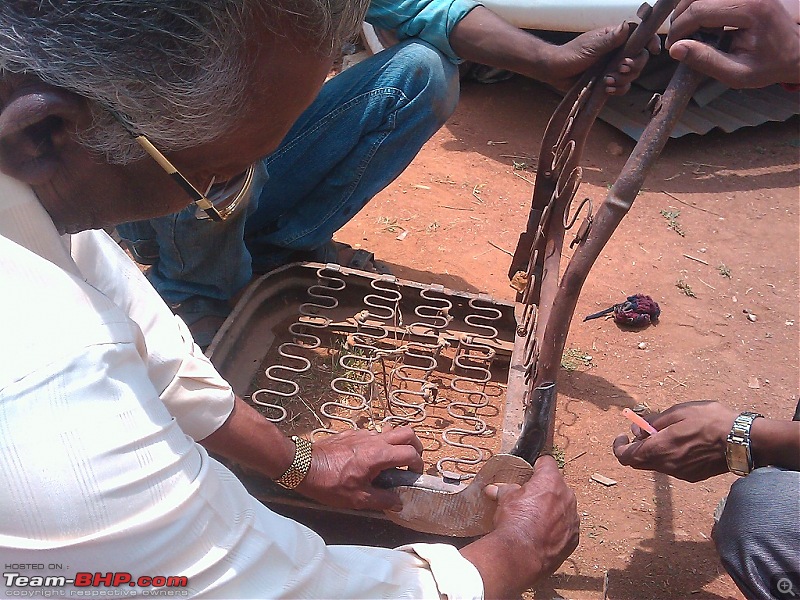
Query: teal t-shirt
pixel 428 20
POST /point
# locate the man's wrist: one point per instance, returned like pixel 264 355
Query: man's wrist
pixel 775 443
pixel 540 57
pixel 505 563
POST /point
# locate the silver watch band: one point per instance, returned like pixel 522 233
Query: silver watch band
pixel 737 451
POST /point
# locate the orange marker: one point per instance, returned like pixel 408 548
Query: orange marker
pixel 637 420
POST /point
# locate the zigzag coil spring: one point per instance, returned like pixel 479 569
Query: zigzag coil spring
pixel 472 370
pixel 410 387
pixel 312 318
pixel 355 388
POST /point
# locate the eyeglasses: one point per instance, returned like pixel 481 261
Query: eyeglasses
pixel 219 201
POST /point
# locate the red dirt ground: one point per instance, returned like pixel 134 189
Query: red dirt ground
pixel 738 199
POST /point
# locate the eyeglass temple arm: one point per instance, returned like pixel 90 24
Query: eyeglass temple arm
pixel 198 198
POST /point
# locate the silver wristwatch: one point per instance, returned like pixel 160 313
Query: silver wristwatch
pixel 737 450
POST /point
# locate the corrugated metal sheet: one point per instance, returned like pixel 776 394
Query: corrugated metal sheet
pixel 729 110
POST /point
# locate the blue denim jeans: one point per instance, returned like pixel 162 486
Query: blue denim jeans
pixel 361 132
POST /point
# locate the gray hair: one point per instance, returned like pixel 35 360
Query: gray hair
pixel 170 69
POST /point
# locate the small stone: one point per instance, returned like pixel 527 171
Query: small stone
pixel 751 317
pixel 615 149
pixel 603 480
pixel 641 345
pixel 789 323
pixel 753 383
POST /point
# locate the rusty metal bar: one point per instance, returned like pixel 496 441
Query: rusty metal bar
pixel 554 329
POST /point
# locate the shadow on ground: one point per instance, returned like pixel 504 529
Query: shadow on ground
pixel 652 566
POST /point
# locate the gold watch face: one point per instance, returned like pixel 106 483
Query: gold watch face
pixel 736 455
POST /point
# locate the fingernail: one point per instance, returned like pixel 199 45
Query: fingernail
pixel 678 51
pixel 397 508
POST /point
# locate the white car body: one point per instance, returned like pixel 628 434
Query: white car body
pixel 565 15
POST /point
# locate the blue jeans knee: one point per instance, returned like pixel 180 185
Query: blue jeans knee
pixel 363 130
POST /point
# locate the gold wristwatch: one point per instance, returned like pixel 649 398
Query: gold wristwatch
pixel 301 463
pixel 737 449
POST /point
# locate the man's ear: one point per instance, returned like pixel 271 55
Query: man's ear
pixel 36 126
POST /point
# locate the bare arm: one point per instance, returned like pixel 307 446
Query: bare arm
pixel 483 37
pixel 775 443
pixel 339 475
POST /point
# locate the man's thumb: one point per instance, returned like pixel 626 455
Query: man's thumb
pixel 708 60
pixel 613 38
pixel 496 491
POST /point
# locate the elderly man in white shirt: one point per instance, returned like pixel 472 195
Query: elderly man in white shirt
pixel 103 394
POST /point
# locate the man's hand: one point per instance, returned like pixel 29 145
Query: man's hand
pixel 690 443
pixel 483 37
pixel 536 529
pixel 543 511
pixel 569 61
pixel 343 467
pixel 765 47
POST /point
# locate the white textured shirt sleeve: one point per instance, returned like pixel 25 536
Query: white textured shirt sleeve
pixel 188 384
pixel 455 576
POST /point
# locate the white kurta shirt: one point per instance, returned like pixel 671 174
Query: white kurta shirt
pixel 102 392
